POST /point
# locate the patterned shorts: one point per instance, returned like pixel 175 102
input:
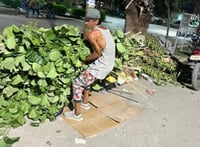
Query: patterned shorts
pixel 82 82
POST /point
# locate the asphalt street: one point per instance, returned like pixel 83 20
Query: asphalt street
pixel 111 22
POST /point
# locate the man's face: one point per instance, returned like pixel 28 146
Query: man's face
pixel 90 23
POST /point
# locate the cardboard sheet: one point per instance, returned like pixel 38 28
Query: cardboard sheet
pixel 107 110
pixel 103 99
pixel 93 122
pixel 120 111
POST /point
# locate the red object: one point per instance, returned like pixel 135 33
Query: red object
pixel 196 52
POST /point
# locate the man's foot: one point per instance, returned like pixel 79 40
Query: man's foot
pixel 72 115
pixel 85 106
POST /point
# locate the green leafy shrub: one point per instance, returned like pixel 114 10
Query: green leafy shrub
pixel 103 15
pixel 149 58
pixel 11 3
pixel 77 12
pixel 37 67
pixel 60 9
pixel 5 140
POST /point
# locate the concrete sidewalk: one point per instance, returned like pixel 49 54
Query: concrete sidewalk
pixel 171 118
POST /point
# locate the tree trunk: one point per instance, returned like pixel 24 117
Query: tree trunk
pixel 138 16
pixel 168 17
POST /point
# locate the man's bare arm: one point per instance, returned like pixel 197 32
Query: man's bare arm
pixel 97 41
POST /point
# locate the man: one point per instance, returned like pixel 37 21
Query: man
pixel 102 62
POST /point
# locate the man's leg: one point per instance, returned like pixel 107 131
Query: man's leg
pixel 86 96
pixel 79 85
pixel 77 108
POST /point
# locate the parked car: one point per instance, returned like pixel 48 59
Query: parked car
pixel 157 20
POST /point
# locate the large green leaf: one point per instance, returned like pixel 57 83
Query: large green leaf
pixel 47 67
pixel 53 99
pixel 37 67
pixel 11 43
pixel 19 59
pixel 21 95
pixel 65 80
pixel 42 118
pixel 27 43
pixel 42 83
pixel 33 114
pixel 2 47
pixel 78 63
pixel 60 69
pixel 16 29
pixel 67 91
pixel 120 34
pixel 44 101
pixel 34 100
pixel 35 40
pixel 25 66
pixel 63 98
pixel 21 120
pixel 52 74
pixel 49 35
pixel 21 49
pixel 59 62
pixel 9 90
pixel 118 63
pixel 65 40
pixel 96 87
pixel 54 55
pixel 25 107
pixel 53 110
pixel 13 110
pixel 17 80
pixel 126 57
pixel 8 63
pixel 120 47
pixel 41 75
pixel 8 141
pixel 8 32
pixel 73 31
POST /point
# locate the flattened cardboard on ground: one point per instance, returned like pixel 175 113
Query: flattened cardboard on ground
pixel 103 99
pixel 93 122
pixel 120 111
pixel 107 110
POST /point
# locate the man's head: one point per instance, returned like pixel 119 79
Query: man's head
pixel 92 13
pixel 92 17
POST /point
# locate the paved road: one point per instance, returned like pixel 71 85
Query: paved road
pixel 113 23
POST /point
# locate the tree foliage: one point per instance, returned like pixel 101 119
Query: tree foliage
pixel 11 3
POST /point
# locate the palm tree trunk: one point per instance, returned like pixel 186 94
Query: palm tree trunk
pixel 138 16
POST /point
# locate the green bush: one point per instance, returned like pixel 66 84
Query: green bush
pixel 103 16
pixel 77 12
pixel 60 9
pixel 11 3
